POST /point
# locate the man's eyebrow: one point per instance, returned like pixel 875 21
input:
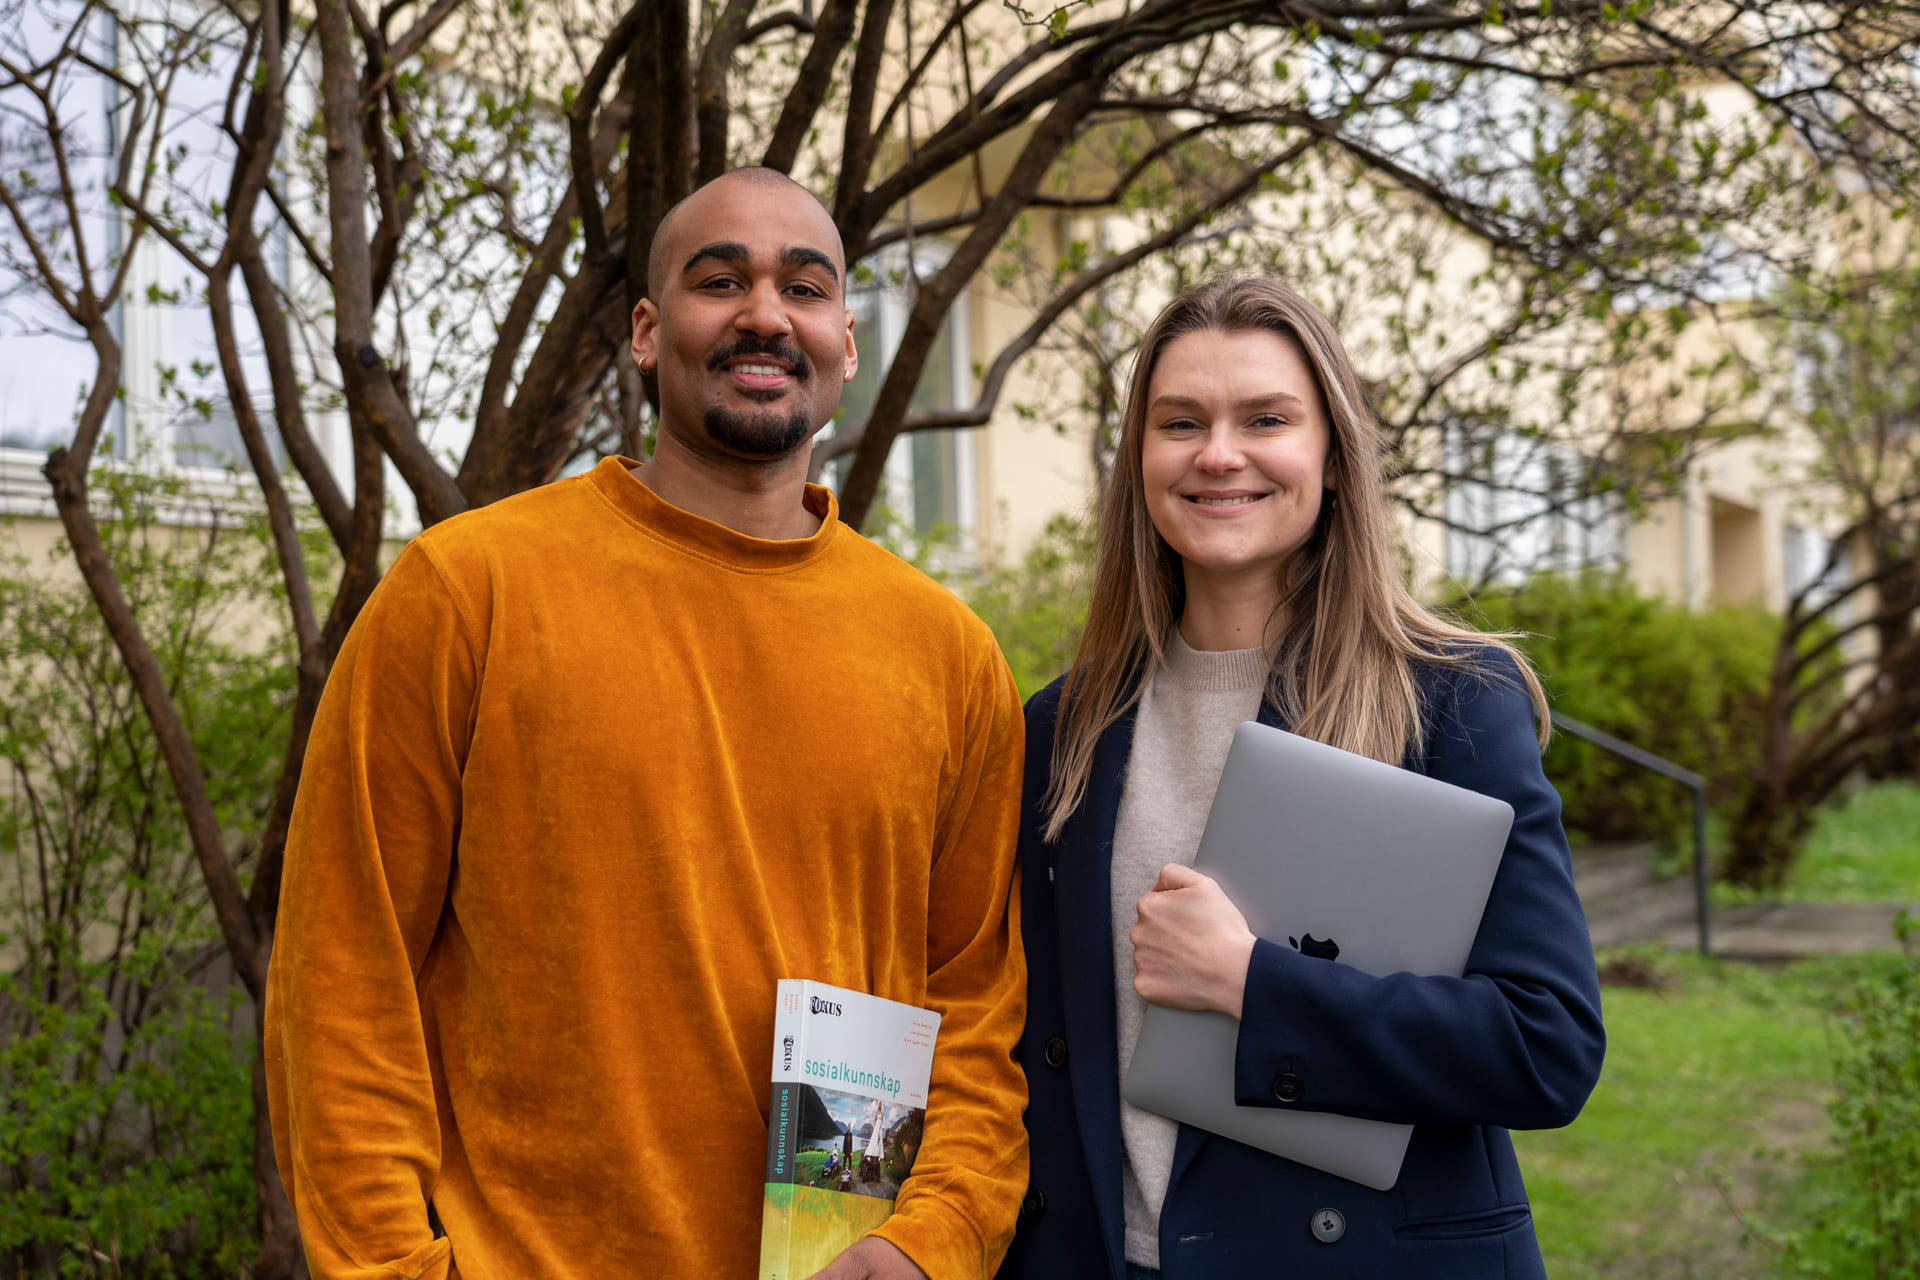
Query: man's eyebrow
pixel 800 255
pixel 731 251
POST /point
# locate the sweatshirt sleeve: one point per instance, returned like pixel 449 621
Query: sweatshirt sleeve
pixel 370 848
pixel 1516 1041
pixel 955 1214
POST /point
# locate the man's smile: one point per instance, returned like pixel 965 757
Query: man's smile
pixel 760 370
pixel 759 374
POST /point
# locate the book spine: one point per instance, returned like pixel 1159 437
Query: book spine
pixel 782 1117
pixel 783 1125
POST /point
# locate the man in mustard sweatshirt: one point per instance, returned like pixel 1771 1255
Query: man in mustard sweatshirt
pixel 597 766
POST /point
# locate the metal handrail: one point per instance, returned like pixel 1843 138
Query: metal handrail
pixel 1686 778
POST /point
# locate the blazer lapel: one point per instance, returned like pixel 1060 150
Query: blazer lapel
pixel 1083 917
pixel 1185 1147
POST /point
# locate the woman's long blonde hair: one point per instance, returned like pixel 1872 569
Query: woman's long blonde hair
pixel 1343 671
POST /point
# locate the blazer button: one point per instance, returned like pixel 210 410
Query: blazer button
pixel 1287 1086
pixel 1033 1204
pixel 1328 1225
pixel 1057 1052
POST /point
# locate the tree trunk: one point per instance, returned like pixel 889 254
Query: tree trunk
pixel 1901 757
pixel 1765 838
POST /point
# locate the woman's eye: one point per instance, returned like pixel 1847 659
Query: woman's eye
pixel 1269 422
pixel 1180 424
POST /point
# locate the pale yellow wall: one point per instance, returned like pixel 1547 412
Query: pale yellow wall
pixel 31 534
pixel 1034 457
pixel 29 526
pixel 1659 550
pixel 1740 562
pixel 1424 543
pixel 32 538
pixel 1025 470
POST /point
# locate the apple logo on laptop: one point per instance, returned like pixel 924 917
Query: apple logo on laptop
pixel 1308 945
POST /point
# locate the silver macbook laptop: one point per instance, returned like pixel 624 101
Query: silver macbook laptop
pixel 1337 856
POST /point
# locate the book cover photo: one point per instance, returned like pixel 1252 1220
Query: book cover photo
pixel 848 1107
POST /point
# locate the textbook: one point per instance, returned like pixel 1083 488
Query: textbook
pixel 849 1106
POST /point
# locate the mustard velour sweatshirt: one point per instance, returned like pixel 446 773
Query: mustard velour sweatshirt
pixel 590 775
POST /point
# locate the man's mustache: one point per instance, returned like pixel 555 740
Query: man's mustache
pixel 777 348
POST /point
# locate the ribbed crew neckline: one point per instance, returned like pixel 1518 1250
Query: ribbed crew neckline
pixel 1210 670
pixel 699 536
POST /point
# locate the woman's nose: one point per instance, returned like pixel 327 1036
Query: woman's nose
pixel 1221 452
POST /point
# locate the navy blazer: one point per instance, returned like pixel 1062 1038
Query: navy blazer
pixel 1514 1044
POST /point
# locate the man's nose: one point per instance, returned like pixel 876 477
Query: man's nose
pixel 763 311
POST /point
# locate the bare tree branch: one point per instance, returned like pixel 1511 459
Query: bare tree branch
pixel 810 85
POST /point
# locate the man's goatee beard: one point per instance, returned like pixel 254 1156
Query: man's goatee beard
pixel 758 435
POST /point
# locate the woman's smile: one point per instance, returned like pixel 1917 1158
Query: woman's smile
pixel 1224 503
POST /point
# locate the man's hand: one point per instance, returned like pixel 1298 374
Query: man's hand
pixel 871 1259
pixel 1192 945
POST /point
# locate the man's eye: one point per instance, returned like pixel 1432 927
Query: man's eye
pixel 718 283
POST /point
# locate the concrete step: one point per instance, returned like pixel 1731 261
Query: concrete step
pixel 1623 898
pixel 1605 871
pixel 1793 931
pixel 1649 913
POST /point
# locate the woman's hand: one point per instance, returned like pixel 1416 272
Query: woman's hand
pixel 1192 946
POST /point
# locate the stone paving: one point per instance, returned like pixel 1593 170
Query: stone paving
pixel 1626 903
pixel 1796 930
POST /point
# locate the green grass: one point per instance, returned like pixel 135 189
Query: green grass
pixel 1705 1150
pixel 1865 849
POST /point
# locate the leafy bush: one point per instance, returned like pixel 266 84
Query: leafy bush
pixel 1035 606
pixel 1690 687
pixel 1038 606
pixel 126 1126
pixel 128 1151
pixel 1876 1108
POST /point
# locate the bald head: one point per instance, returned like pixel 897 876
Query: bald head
pixel 660 261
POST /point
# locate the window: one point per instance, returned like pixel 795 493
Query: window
pixel 929 485
pixel 47 365
pixel 175 398
pixel 1518 505
pixel 174 376
pixel 1803 560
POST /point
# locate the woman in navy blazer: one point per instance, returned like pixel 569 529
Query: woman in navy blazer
pixel 1246 522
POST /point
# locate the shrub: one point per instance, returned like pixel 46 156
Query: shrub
pixel 1038 606
pixel 126 1127
pixel 1690 687
pixel 1035 606
pixel 1876 1108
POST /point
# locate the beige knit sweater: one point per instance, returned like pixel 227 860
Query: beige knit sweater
pixel 1188 713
